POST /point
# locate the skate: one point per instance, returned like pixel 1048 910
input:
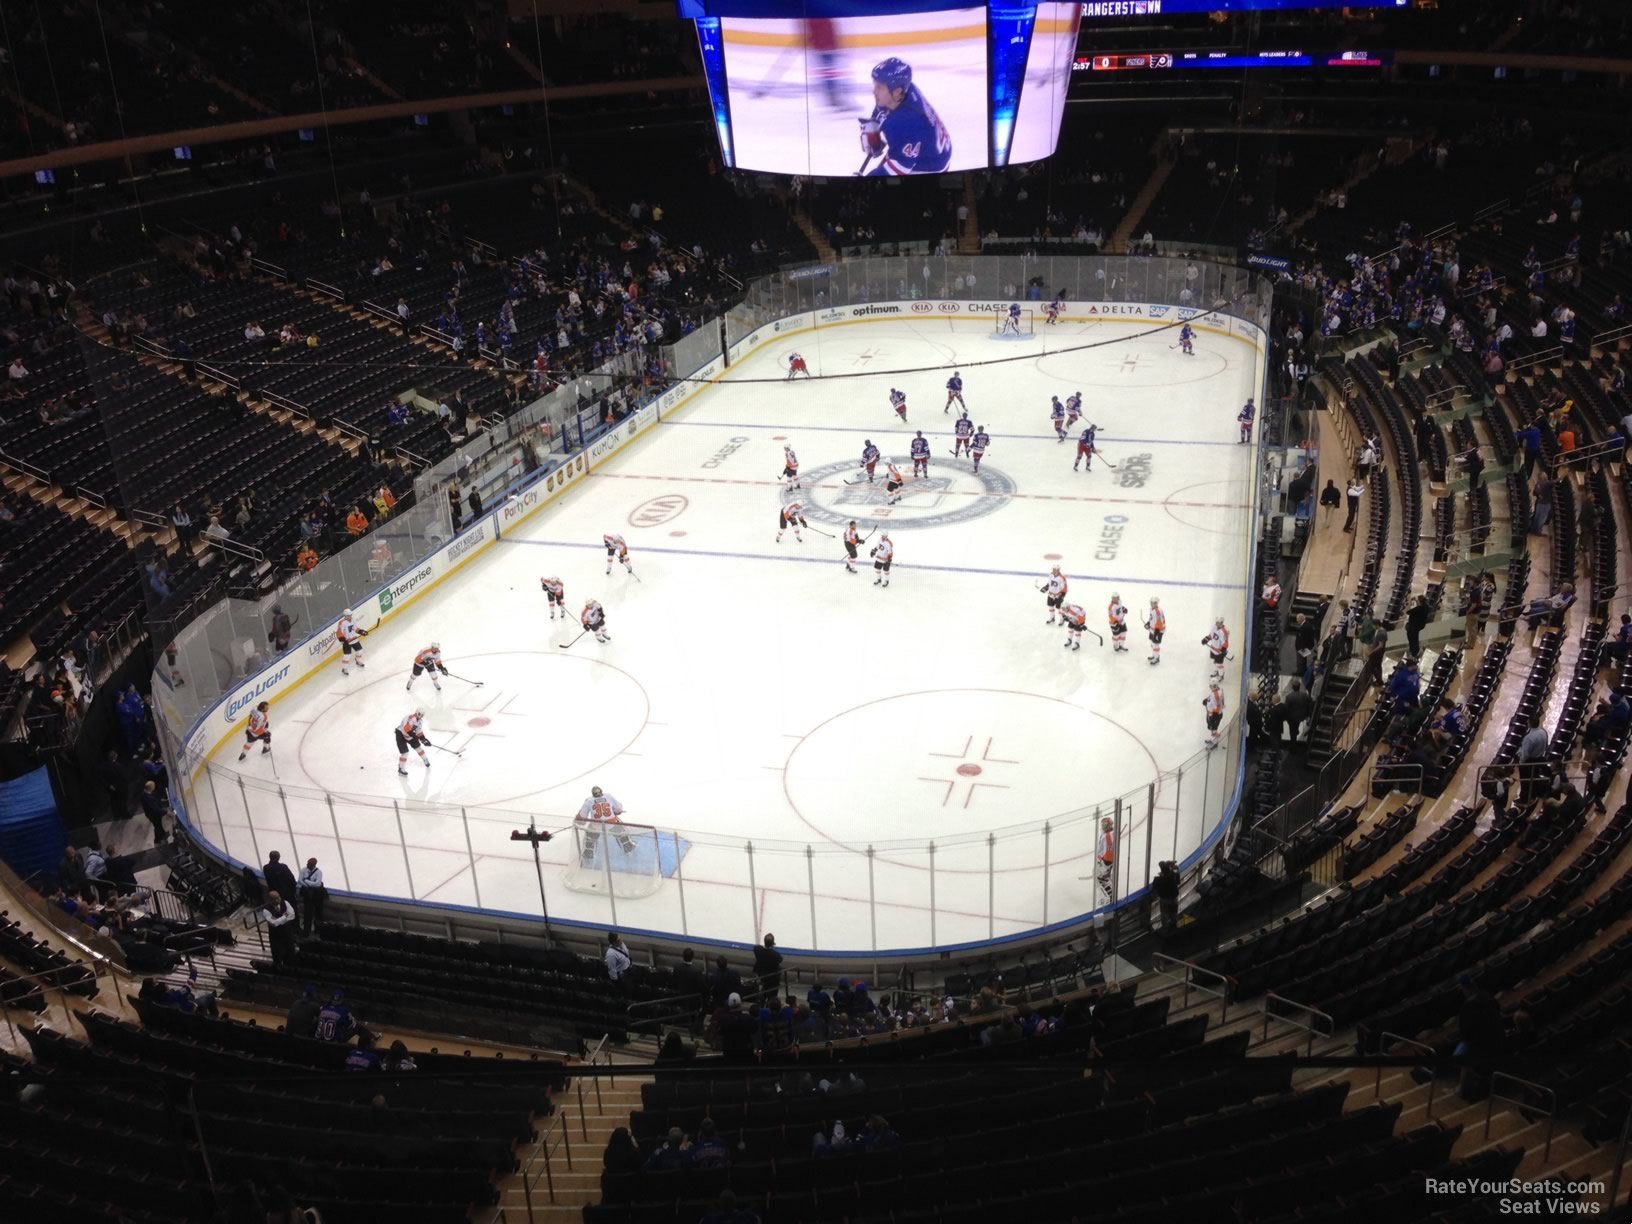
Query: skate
pixel 436 686
pixel 886 582
pixel 1076 645
pixel 359 665
pixel 266 749
pixel 1068 643
pixel 849 569
pixel 878 582
pixel 427 761
pixel 409 687
pixel 402 771
pixel 1152 660
pixel 242 755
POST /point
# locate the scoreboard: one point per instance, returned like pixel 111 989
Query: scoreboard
pixel 1157 61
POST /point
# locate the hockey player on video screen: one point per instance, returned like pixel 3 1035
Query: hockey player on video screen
pixel 904 128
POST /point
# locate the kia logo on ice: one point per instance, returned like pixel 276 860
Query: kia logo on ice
pixel 658 510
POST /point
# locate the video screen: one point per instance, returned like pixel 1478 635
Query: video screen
pixel 882 95
pixel 1048 78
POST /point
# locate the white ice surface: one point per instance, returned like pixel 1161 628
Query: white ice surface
pixel 756 691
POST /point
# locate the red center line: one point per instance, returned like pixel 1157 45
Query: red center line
pixel 1073 497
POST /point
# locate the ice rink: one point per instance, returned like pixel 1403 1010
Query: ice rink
pixel 756 692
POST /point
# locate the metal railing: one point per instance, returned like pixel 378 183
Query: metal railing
pixel 1312 1026
pixel 1160 967
pixel 593 1059
pixel 1523 1102
pixel 558 1135
pixel 1386 1039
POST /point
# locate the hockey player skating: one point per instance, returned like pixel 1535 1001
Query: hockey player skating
pixel 920 455
pixel 977 448
pixel 617 550
pixel 796 365
pixel 869 458
pixel 1052 315
pixel 954 391
pixel 258 728
pixel 1218 647
pixel 1116 613
pixel 1187 341
pixel 883 554
pixel 893 481
pixel 1011 321
pixel 1213 706
pixel 1054 592
pixel 791 515
pixel 963 429
pixel 1074 619
pixel 600 811
pixel 350 635
pixel 1155 625
pixel 1105 858
pixel 1085 449
pixel 593 619
pixel 1073 408
pixel 1056 415
pixel 1244 419
pixel 898 401
pixel 429 660
pixel 852 544
pixel 410 733
pixel 903 129
pixel 555 592
pixel 790 468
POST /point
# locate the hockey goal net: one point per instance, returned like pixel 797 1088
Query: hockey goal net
pixel 1000 322
pixel 617 859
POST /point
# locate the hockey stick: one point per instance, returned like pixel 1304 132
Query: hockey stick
pixel 854 482
pixel 820 532
pixel 466 679
pixel 574 642
pixel 1085 629
pixel 456 752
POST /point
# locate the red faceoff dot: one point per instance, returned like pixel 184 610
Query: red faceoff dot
pixel 677 534
pixel 969 771
pixel 478 721
pixel 1053 556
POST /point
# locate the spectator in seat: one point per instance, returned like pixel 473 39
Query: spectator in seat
pixel 17 371
pixel 818 1000
pixel 622 1154
pixel 335 1021
pixel 1618 649
pixel 1271 594
pixel 279 917
pixel 254 331
pixel 181 998
pixel 689 979
pixel 877 1136
pixel 843 996
pixel 1551 610
pixel 1404 686
pixel 363 1056
pixel 723 983
pixel 1613 716
pixel 399 1060
pixel 617 960
pixel 670 1155
pixel 303 1013
pixel 356 524
pixel 767 961
pixel 737 1030
pixel 708 1150
pixel 675 1050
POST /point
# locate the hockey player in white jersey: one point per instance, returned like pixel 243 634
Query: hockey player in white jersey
pixel 1156 626
pixel 1218 647
pixel 1116 614
pixel 1054 590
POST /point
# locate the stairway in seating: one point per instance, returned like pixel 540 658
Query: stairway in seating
pixel 807 227
pixel 527 1194
pixel 1319 735
pixel 1118 243
pixel 969 234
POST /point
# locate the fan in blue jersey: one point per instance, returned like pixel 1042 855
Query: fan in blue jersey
pixel 904 128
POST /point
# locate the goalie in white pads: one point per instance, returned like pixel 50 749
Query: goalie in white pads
pixel 429 660
pixel 555 591
pixel 601 809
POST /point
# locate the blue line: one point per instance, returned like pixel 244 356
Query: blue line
pixel 1070 437
pixel 941 569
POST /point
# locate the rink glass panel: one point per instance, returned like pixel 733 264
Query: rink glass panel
pixel 910 895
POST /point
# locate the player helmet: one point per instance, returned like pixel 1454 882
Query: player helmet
pixel 1056 569
pixel 419 714
pixel 345 612
pixel 920 433
pixel 436 645
pixel 596 791
pixel 1115 596
pixel 896 73
pixel 1219 622
pixel 1154 601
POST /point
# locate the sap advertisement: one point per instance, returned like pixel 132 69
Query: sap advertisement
pixel 837 89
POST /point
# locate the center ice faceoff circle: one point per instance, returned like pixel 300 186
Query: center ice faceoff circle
pixel 947 762
pixel 953 492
